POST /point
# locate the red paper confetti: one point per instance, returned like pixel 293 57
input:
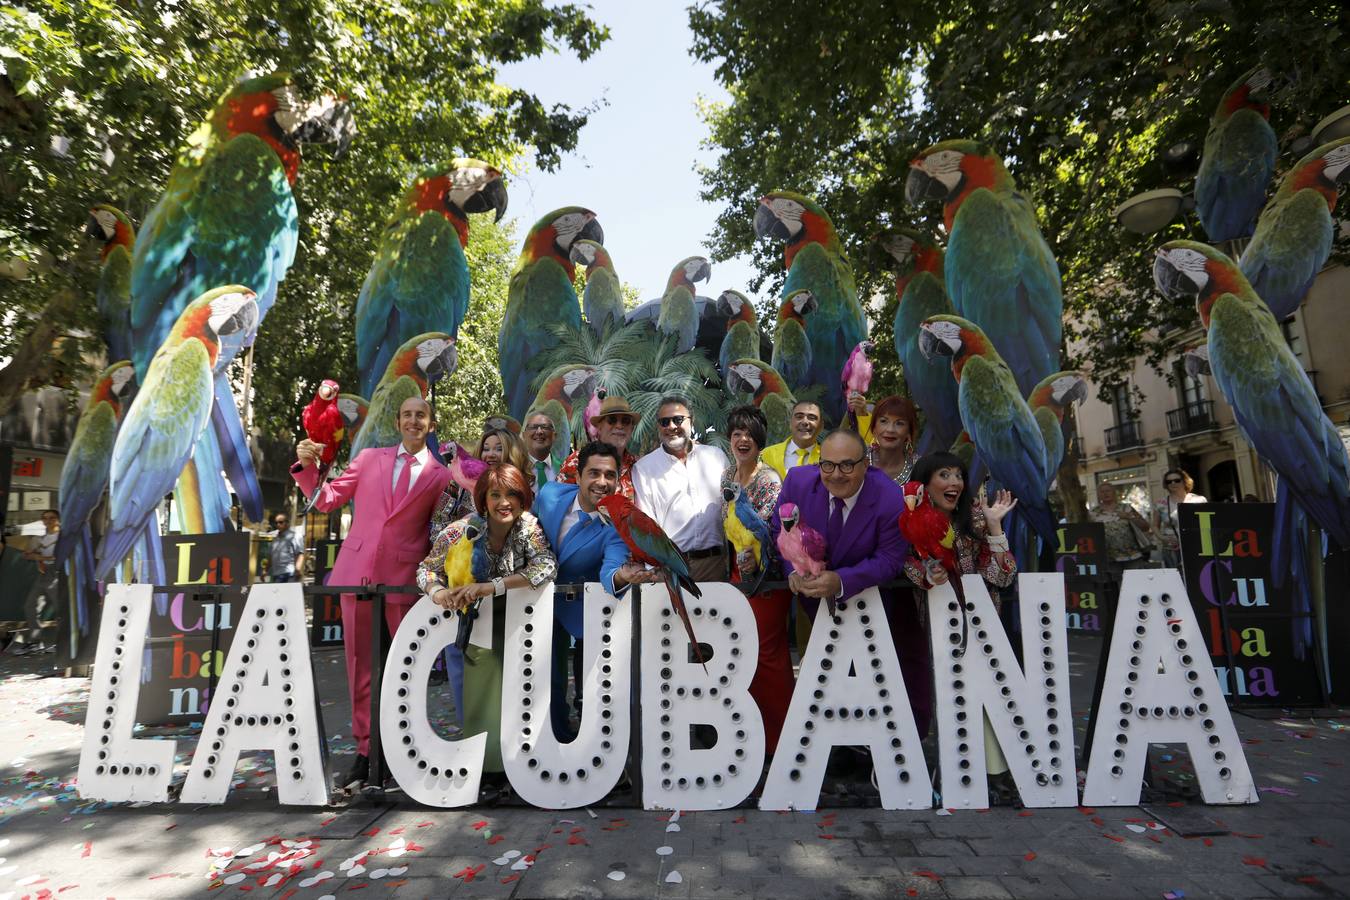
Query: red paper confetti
pixel 172 827
pixel 1087 810
pixel 89 848
pixel 1317 840
pixel 827 837
pixel 400 883
pixel 924 873
pixel 1097 820
pixel 469 873
pixel 1031 854
pixel 372 832
pixel 1115 837
pixel 1306 879
pixel 1209 842
pixel 480 825
pixel 152 877
pixel 1026 813
pixel 425 824
pixel 291 893
pixel 496 838
pixel 739 820
pixel 67 888
pixel 911 892
pixel 509 878
pixel 1254 861
pixel 541 848
pixel 326 822
pixel 577 839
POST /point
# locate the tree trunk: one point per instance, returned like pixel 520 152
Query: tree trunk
pixel 1072 494
pixel 34 362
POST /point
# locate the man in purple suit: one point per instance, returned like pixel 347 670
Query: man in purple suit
pixel 857 508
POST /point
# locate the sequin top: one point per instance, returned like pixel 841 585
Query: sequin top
pixel 763 493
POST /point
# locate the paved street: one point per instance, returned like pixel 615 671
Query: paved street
pixel 1294 844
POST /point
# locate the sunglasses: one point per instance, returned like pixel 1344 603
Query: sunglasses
pixel 667 421
pixel 617 419
pixel 1173 481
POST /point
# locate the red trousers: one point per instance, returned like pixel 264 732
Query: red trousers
pixel 356 624
pixel 772 685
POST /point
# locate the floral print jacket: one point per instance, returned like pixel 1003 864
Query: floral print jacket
pixel 526 552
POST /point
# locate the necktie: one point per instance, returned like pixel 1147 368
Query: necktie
pixel 540 473
pixel 404 478
pixel 836 524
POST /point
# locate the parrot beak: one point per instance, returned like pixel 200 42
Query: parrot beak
pixel 94 229
pixel 702 272
pixel 724 306
pixel 921 186
pixel 443 363
pixel 929 344
pixel 769 225
pixel 728 494
pixel 472 530
pixel 1172 283
pixel 1196 361
pixel 580 254
pixel 868 348
pixel 592 231
pixel 333 124
pixel 490 198
pixel 234 314
pixel 1077 392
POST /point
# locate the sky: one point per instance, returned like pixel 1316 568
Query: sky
pixel 634 162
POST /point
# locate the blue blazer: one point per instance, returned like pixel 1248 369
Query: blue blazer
pixel 592 551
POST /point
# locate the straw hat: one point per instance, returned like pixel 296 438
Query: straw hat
pixel 613 406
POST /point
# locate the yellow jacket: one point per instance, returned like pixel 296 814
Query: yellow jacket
pixel 775 456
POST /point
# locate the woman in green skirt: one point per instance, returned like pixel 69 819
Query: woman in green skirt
pixel 517 556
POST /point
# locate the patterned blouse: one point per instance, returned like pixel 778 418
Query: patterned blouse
pixel 763 492
pixel 1122 541
pixel 975 557
pixel 525 552
pixel 454 503
pixel 568 473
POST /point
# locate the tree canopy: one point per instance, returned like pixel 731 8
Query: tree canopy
pixel 835 97
pixel 97 96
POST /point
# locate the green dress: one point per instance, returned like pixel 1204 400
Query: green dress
pixel 525 552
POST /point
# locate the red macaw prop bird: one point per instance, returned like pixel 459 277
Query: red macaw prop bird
pixel 323 421
pixel 856 377
pixel 931 535
pixel 650 546
pixel 801 545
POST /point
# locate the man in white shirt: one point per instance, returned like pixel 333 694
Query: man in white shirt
pixel 46 589
pixel 679 485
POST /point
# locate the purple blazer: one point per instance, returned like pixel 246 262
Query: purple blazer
pixel 873 550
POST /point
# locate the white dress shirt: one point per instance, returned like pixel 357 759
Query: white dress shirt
pixel 550 470
pixel 797 456
pixel 419 464
pixel 684 496
pixel 575 516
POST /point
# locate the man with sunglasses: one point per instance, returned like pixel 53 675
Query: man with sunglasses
pixel 857 509
pixel 613 425
pixel 679 484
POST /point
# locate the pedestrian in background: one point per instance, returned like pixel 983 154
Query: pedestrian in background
pixel 286 556
pixel 1177 487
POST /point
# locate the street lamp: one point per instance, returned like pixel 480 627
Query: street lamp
pixel 1150 211
pixel 1333 127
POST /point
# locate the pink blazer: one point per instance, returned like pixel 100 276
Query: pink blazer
pixel 384 544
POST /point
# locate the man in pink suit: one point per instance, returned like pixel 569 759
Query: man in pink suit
pixel 395 489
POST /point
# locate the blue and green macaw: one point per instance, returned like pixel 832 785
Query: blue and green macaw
pixel 602 301
pixel 84 478
pixel 541 298
pixel 117 240
pixel 168 416
pixel 561 397
pixel 419 281
pixel 1294 234
pixel 1048 401
pixel 1273 400
pixel 747 532
pixel 1000 273
pixel 997 418
pixel 420 361
pixel 227 216
pixel 679 312
pixel 1238 159
pixel 768 390
pixel 792 356
pixel 920 287
pixel 816 261
pixel 742 338
pixel 354 408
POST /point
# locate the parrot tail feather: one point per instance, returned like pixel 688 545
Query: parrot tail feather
pixel 673 587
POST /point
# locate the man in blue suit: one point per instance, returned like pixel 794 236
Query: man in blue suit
pixel 587 550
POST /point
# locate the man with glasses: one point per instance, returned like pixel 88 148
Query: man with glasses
pixel 679 484
pixel 287 553
pixel 802 447
pixel 613 425
pixel 857 509
pixel 539 436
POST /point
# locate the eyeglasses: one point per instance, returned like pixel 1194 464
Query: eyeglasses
pixel 846 467
pixel 544 427
pixel 1173 481
pixel 617 419
pixel 667 421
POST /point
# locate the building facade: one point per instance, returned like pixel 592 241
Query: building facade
pixel 1184 422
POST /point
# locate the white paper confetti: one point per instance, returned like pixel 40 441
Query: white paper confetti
pixel 355 870
pixel 398 870
pixel 235 878
pixel 315 879
pixel 1137 829
pixel 501 861
pixel 274 880
pixel 674 877
pixel 617 876
pixel 379 873
pixel 664 851
pixel 510 854
pixel 672 827
pixel 520 865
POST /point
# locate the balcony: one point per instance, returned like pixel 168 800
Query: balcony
pixel 1123 437
pixel 1192 418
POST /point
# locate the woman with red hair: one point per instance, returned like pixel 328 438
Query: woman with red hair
pixel 518 556
pixel 895 427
